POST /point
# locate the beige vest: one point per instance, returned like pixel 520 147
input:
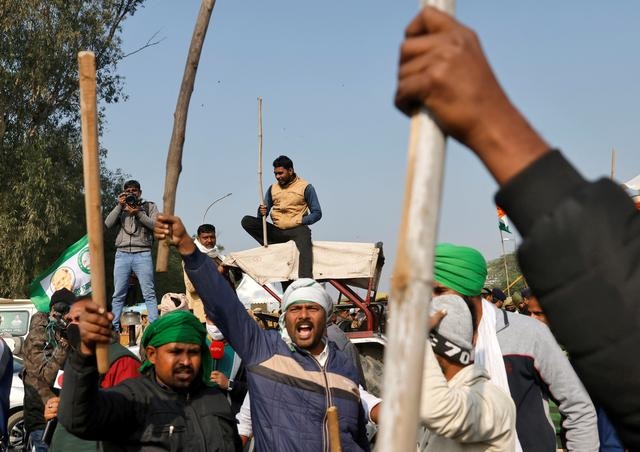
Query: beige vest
pixel 289 204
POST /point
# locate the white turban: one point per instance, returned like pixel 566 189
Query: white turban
pixel 303 290
pixel 307 290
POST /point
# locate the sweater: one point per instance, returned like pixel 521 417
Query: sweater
pixel 467 413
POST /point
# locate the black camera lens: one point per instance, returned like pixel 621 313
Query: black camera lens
pixel 131 200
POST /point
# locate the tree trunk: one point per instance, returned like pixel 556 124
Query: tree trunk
pixel 174 157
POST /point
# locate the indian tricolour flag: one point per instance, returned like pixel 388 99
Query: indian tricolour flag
pixel 502 221
pixel 70 270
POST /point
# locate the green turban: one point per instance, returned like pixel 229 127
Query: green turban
pixel 460 268
pixel 179 326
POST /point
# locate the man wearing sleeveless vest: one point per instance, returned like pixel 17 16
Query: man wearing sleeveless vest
pixel 294 206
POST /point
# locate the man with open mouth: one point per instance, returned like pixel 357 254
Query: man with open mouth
pixel 294 375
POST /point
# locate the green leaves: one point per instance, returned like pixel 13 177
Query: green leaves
pixel 41 181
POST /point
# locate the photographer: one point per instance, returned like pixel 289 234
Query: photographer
pixel 135 220
pixel 45 349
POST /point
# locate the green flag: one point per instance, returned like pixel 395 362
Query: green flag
pixel 70 270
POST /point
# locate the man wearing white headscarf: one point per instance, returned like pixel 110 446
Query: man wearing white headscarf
pixel 293 376
pixel 206 242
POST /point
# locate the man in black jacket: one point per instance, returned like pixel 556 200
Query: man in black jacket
pixel 171 407
pixel 581 240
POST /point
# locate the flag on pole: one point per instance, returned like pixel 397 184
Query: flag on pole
pixel 503 225
pixel 71 270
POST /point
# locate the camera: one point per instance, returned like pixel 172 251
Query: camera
pixel 132 200
pixel 57 317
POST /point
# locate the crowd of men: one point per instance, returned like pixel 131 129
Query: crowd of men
pixel 211 377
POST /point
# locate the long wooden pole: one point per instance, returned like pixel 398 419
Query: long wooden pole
pixel 92 191
pixel 613 162
pixel 260 189
pixel 334 429
pixel 174 156
pixel 506 268
pixel 412 280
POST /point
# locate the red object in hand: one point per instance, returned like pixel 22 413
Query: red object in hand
pixel 216 349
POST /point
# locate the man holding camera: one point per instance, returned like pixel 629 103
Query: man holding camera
pixel 135 220
pixel 45 349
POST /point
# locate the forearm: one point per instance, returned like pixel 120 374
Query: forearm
pixel 268 202
pixel 437 408
pixel 47 371
pixel 148 220
pixel 113 216
pixel 507 143
pixel 221 303
pixel 81 395
pixel 145 220
pixel 315 211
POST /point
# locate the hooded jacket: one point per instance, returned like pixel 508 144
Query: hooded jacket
pixel 135 232
pixel 467 413
pixel 537 369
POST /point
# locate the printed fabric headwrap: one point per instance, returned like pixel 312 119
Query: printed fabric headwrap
pixel 179 326
pixel 460 268
pixel 303 290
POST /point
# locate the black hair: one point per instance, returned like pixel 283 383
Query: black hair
pixel 284 162
pixel 526 292
pixel 131 184
pixel 469 303
pixel 204 228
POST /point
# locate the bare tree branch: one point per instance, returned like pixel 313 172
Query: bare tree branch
pixel 150 43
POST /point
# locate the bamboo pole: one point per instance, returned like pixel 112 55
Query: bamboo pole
pixel 334 429
pixel 504 258
pixel 412 280
pixel 613 162
pixel 260 189
pixel 92 190
pixel 515 281
pixel 174 156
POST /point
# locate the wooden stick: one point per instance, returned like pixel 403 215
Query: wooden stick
pixel 92 191
pixel 412 281
pixel 613 162
pixel 506 267
pixel 260 190
pixel 334 429
pixel 174 156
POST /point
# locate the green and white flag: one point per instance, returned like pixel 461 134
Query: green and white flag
pixel 70 270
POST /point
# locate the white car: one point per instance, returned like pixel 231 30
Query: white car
pixel 15 424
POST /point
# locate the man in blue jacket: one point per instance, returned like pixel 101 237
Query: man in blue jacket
pixel 294 375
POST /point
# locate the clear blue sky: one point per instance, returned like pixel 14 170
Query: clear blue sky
pixel 326 72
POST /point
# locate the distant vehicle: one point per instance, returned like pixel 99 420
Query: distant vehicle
pixel 15 318
pixel 15 424
pixel 353 269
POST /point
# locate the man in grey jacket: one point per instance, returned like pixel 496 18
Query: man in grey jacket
pixel 135 220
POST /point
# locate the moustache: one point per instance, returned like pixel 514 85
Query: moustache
pixel 183 369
